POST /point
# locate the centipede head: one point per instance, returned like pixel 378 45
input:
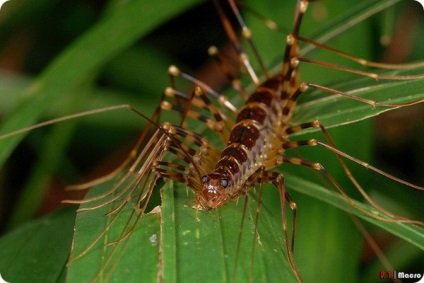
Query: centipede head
pixel 213 194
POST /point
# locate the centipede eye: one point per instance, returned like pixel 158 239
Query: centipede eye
pixel 205 179
pixel 224 183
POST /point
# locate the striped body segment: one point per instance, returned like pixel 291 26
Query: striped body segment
pixel 256 136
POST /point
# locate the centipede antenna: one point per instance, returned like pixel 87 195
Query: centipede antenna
pixel 361 61
pixel 358 72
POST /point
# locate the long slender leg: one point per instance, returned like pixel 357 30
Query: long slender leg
pixel 354 71
pixel 340 154
pixel 122 192
pixel 225 69
pixel 363 62
pixel 366 63
pixel 169 143
pixel 151 149
pixel 240 233
pixel 220 98
pixel 218 124
pixel 277 179
pixel 190 106
pixel 235 41
pixel 136 186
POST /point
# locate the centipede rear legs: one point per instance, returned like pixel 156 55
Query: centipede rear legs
pixel 277 179
pixel 319 167
pixel 260 177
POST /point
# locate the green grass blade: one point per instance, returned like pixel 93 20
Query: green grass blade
pixel 83 58
pixel 51 155
pixel 334 110
pixel 408 232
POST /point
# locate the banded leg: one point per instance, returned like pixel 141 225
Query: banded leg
pixel 225 69
pixel 219 123
pixel 203 98
pixel 354 71
pixel 155 161
pixel 363 62
pixel 261 177
pixel 246 33
pixel 189 106
pixel 220 98
pixel 277 179
pixel 272 25
pixel 340 154
pixel 191 157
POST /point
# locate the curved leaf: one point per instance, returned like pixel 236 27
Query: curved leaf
pixel 38 251
pixel 334 110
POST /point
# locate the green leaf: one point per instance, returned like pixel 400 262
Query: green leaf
pixel 175 234
pixel 210 239
pixel 38 251
pixel 135 257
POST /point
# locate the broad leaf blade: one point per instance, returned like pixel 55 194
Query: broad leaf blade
pixel 100 253
pixel 38 251
pixel 207 238
pixel 210 238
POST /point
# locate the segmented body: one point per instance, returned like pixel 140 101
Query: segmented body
pixel 254 144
